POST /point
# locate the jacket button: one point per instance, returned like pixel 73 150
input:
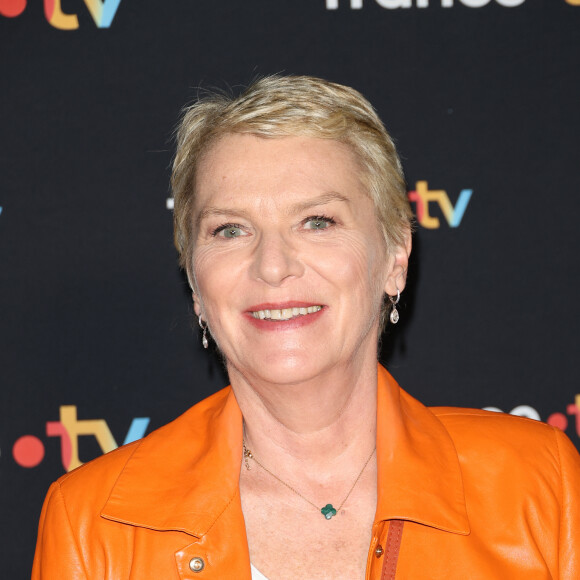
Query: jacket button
pixel 379 551
pixel 196 564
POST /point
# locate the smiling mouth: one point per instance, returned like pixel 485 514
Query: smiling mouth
pixel 285 313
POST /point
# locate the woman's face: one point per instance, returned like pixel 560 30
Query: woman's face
pixel 289 262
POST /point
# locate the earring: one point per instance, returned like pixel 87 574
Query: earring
pixel 204 335
pixel 394 316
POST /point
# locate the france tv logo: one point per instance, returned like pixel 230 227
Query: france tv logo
pixel 102 12
pixel 29 450
pixel 422 196
pixel 395 4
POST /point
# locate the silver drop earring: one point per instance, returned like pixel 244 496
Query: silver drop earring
pixel 204 335
pixel 394 316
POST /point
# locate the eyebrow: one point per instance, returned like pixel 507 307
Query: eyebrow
pixel 299 207
pixel 319 200
pixel 216 211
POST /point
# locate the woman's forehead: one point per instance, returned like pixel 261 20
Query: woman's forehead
pixel 244 168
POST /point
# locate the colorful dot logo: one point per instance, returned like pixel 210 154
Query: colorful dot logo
pixel 12 8
pixel 28 451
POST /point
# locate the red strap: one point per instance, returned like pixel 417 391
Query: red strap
pixel 392 549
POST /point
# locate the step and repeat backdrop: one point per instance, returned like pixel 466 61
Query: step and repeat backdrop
pixel 98 343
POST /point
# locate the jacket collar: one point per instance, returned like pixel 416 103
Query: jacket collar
pixel 184 475
pixel 419 472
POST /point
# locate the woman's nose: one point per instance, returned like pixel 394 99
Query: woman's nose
pixel 276 260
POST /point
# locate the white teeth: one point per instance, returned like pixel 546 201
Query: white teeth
pixel 286 313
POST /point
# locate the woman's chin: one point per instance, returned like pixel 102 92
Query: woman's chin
pixel 283 368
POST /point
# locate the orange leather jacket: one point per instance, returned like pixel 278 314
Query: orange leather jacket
pixel 483 495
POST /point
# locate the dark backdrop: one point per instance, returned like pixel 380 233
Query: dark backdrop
pixel 481 96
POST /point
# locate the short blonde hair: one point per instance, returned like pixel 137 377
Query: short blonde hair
pixel 280 106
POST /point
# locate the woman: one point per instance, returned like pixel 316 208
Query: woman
pixel 292 224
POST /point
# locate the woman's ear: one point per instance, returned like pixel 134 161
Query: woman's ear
pixel 399 265
pixel 194 292
pixel 196 305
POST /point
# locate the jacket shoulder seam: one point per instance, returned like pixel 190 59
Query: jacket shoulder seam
pixel 118 453
pixel 483 414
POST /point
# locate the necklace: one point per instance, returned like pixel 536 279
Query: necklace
pixel 328 511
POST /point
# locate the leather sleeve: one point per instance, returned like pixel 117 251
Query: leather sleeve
pixel 570 516
pixel 57 554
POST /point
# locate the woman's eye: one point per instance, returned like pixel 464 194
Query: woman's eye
pixel 318 223
pixel 229 231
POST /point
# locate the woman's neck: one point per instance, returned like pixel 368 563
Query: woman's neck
pixel 322 422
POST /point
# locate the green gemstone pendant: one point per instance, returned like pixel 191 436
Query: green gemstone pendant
pixel 328 511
